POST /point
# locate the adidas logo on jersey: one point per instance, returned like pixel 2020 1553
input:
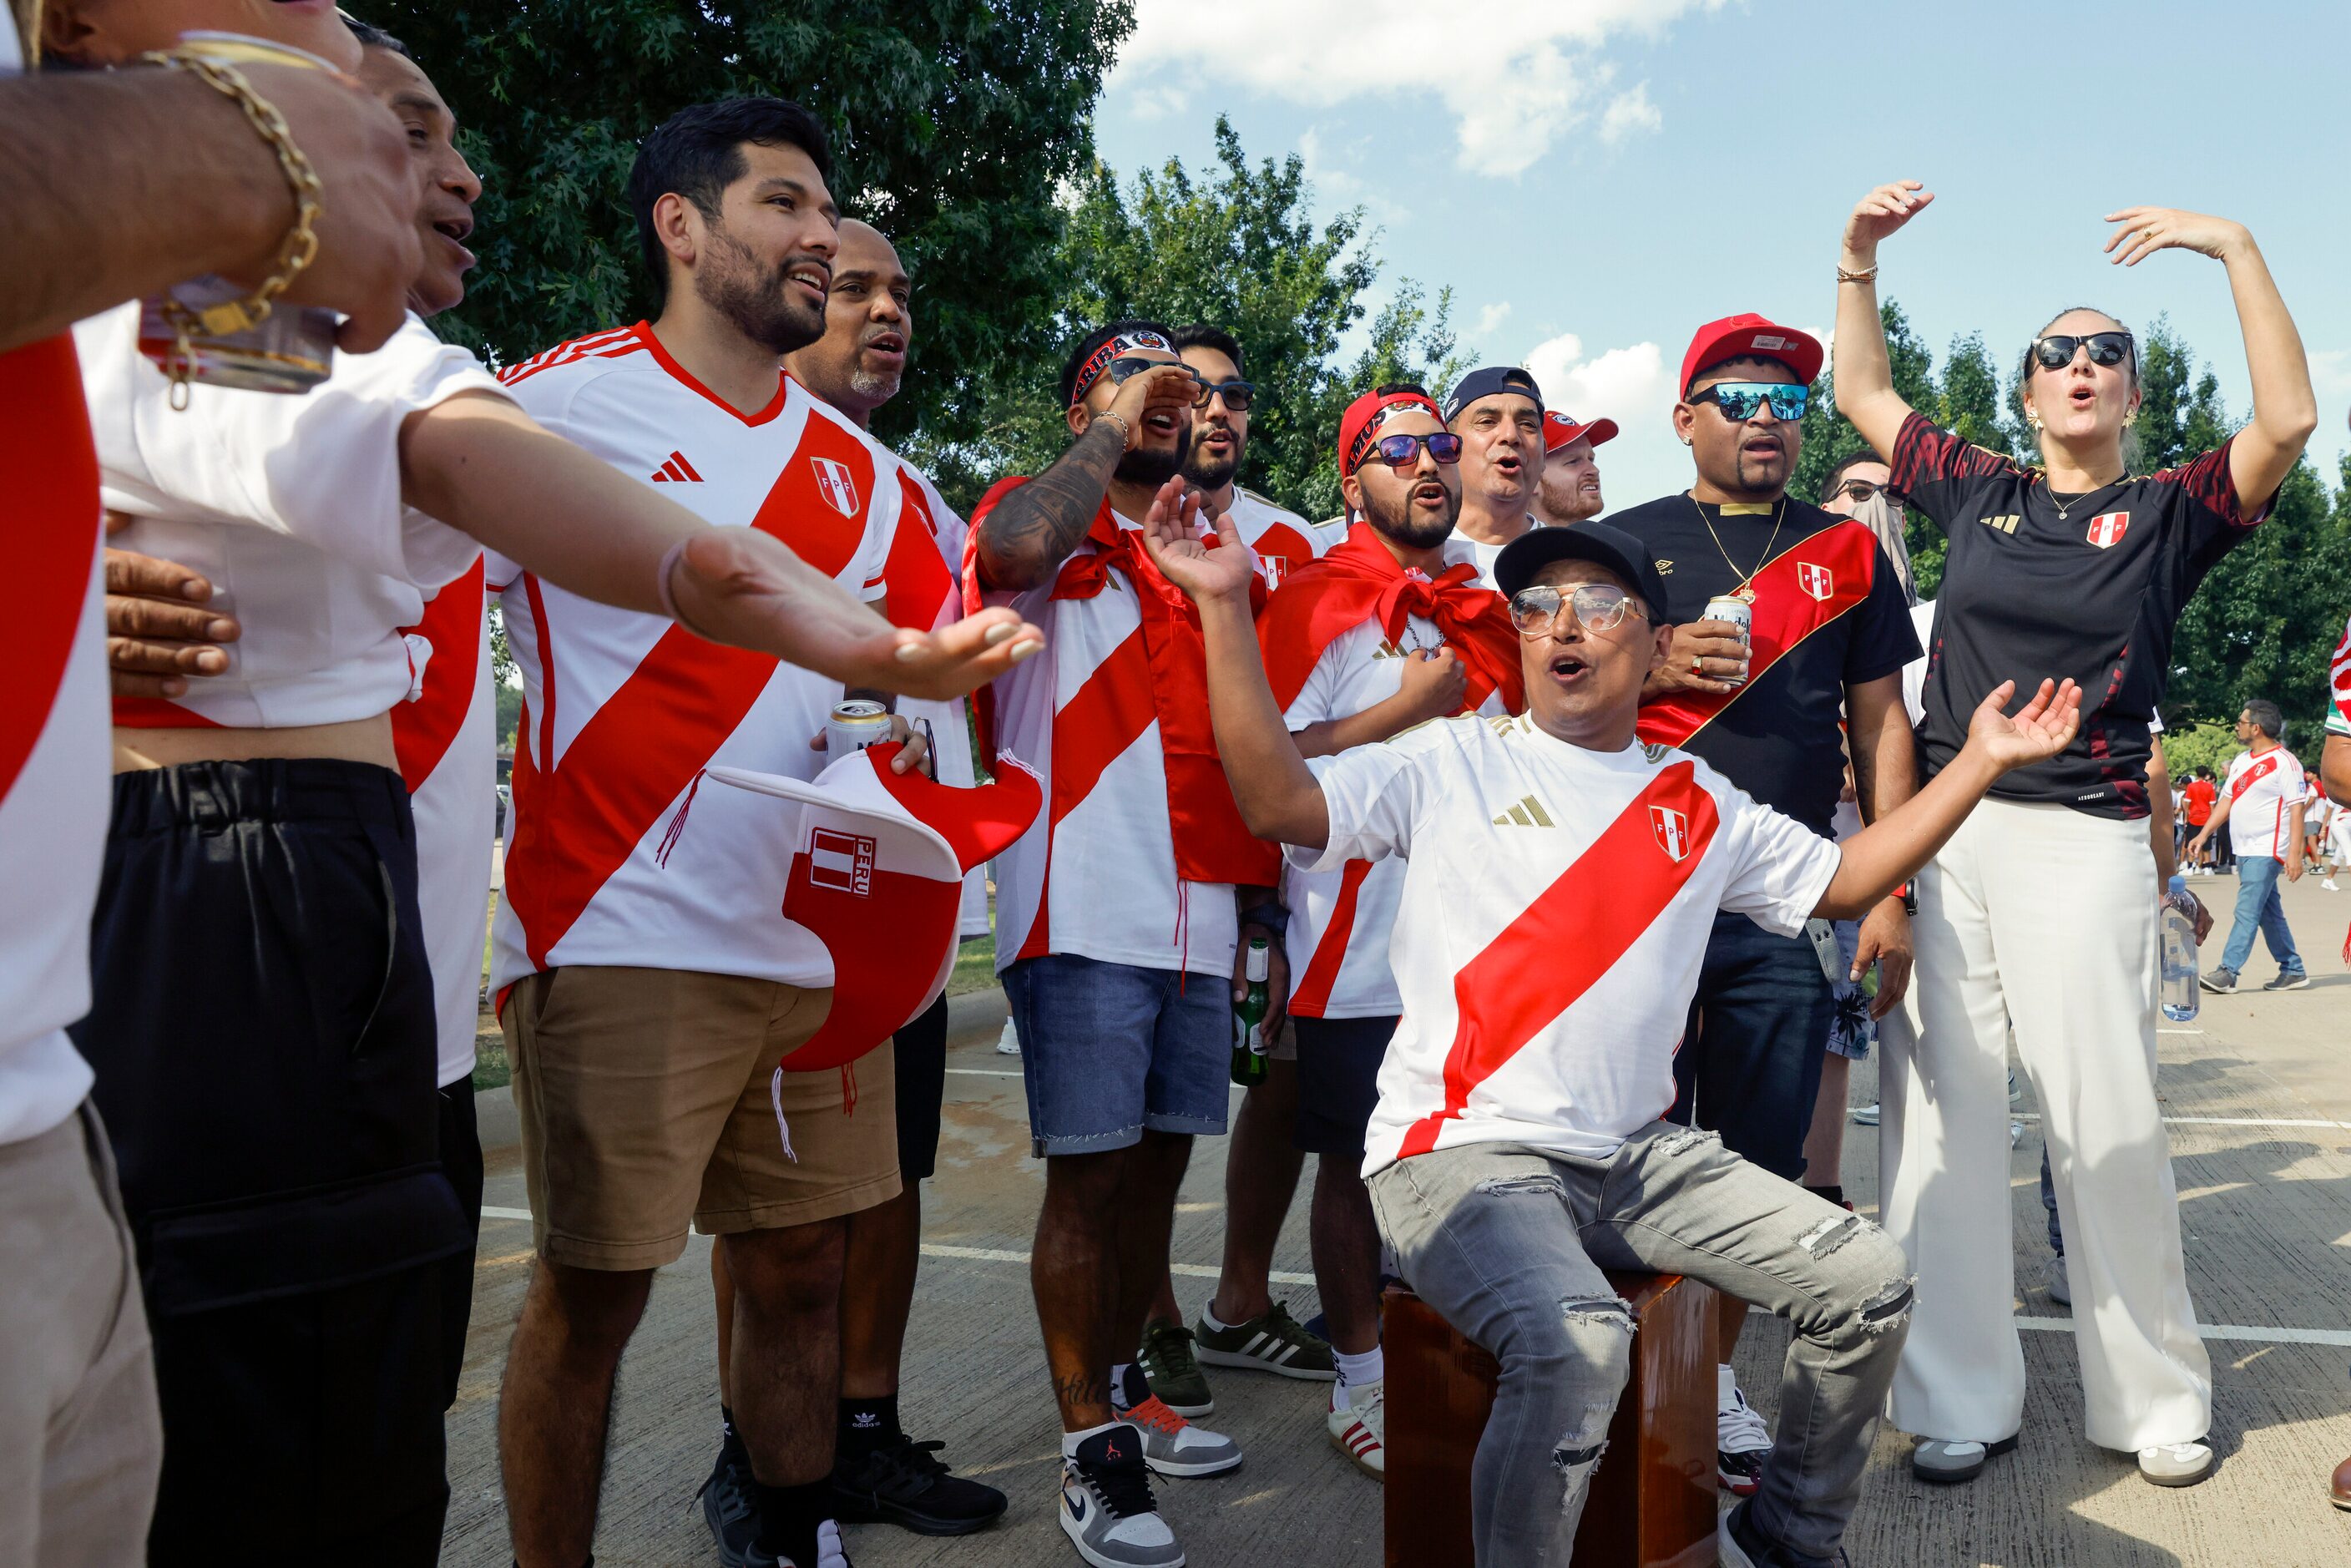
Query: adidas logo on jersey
pixel 2006 525
pixel 1527 813
pixel 676 470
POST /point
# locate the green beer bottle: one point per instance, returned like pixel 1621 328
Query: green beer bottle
pixel 1248 1042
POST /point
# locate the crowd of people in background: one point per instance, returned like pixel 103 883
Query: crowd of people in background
pixel 1579 851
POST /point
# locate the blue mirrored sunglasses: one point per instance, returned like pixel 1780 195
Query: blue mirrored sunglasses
pixel 1739 399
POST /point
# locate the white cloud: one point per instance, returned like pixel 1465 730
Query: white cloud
pixel 1158 103
pixel 1516 75
pixel 1492 318
pixel 1628 385
pixel 2330 371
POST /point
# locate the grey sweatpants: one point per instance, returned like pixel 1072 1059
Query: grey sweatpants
pixel 1508 1244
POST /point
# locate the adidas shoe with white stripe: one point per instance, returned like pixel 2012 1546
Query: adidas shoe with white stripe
pixel 1270 1342
pixel 1360 1431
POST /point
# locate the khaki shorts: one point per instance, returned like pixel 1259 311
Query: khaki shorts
pixel 644 1101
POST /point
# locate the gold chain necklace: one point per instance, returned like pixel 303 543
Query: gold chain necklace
pixel 1778 514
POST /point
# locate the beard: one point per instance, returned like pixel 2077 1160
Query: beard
pixel 873 385
pixel 1207 475
pixel 1396 519
pixel 1153 466
pixel 1562 499
pixel 758 299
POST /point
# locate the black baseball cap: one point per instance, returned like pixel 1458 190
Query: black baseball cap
pixel 1598 543
pixel 1486 383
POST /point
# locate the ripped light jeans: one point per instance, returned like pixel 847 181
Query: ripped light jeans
pixel 1508 1244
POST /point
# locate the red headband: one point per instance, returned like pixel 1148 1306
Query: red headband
pixel 1098 360
pixel 1360 425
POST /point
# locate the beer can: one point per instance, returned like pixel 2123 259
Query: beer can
pixel 1739 612
pixel 854 726
pixel 293 350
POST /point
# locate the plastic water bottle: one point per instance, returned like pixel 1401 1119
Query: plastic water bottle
pixel 2178 954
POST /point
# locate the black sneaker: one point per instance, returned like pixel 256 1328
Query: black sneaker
pixel 2288 982
pixel 906 1484
pixel 1738 1546
pixel 730 1507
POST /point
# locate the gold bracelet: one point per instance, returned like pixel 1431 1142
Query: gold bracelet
pixel 1845 276
pixel 297 250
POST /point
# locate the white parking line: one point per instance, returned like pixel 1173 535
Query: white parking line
pixel 2337 1337
pixel 983 1072
pixel 2220 1121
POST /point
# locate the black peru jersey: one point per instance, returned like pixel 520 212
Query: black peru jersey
pixel 2028 595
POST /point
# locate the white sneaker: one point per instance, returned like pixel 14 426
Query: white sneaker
pixel 1171 1445
pixel 2175 1464
pixel 1865 1115
pixel 1009 1042
pixel 1741 1438
pixel 1107 1509
pixel 2329 884
pixel 2061 1289
pixel 1360 1431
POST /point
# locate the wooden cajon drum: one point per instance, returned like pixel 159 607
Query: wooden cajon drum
pixel 1651 1503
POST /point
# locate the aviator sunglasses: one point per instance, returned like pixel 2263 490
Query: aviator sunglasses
pixel 2056 351
pixel 1739 399
pixel 1401 450
pixel 1599 607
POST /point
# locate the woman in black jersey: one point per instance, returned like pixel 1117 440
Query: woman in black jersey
pixel 2041 911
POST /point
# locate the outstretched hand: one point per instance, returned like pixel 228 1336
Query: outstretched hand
pixel 1170 535
pixel 2038 731
pixel 2145 230
pixel 1879 214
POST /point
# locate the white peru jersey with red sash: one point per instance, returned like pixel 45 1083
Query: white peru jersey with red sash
pixel 447 743
pixel 2338 687
pixel 1096 877
pixel 619 854
pixel 2262 792
pixel 1340 920
pixel 1546 963
pixel 921 550
pixel 1281 541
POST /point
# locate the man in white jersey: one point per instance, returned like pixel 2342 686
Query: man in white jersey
pixel 1497 413
pixel 879 1472
pixel 1545 972
pixel 1117 914
pixel 1242 1325
pixel 79 1435
pixel 650 983
pixel 1380 635
pixel 2261 804
pixel 1569 490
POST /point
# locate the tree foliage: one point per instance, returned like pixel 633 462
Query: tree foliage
pixel 1235 246
pixel 952 124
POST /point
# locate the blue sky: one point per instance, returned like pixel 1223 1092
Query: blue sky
pixel 1594 178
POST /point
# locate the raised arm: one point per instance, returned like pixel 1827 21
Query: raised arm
pixel 121 183
pixel 1278 799
pixel 2285 410
pixel 482 466
pixel 1864 378
pixel 1889 852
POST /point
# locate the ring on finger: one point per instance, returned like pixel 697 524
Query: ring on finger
pixel 1698 666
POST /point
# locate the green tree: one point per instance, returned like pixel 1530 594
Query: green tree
pixel 1236 246
pixel 1829 437
pixel 952 126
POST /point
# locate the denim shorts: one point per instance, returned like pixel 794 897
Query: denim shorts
pixel 1107 1049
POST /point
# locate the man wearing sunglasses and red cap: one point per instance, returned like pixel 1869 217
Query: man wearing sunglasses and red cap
pixel 1830 634
pixel 1569 491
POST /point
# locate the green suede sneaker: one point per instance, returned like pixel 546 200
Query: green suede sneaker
pixel 1173 1371
pixel 1273 1343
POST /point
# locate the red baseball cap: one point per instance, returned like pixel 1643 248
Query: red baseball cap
pixel 1559 429
pixel 1751 336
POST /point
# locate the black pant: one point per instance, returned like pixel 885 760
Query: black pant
pixel 461 1160
pixel 1749 1063
pixel 264 1041
pixel 921 1053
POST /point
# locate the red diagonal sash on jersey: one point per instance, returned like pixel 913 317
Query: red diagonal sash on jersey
pixel 1571 935
pixel 1091 731
pixel 576 824
pixel 51 535
pixel 1314 990
pixel 1794 599
pixel 422 731
pixel 2253 774
pixel 917 589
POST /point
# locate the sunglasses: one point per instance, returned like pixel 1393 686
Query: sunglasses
pixel 1863 489
pixel 1123 370
pixel 1599 607
pixel 1401 451
pixel 1237 395
pixel 1739 399
pixel 2056 351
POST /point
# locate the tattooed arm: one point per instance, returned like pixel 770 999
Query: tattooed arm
pixel 1024 540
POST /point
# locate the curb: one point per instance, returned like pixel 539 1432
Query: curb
pixel 975 1018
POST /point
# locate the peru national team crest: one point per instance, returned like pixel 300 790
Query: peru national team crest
pixel 1816 580
pixel 836 484
pixel 2107 529
pixel 1274 568
pixel 1673 832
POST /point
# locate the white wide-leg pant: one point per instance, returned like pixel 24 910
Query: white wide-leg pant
pixel 2044 916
